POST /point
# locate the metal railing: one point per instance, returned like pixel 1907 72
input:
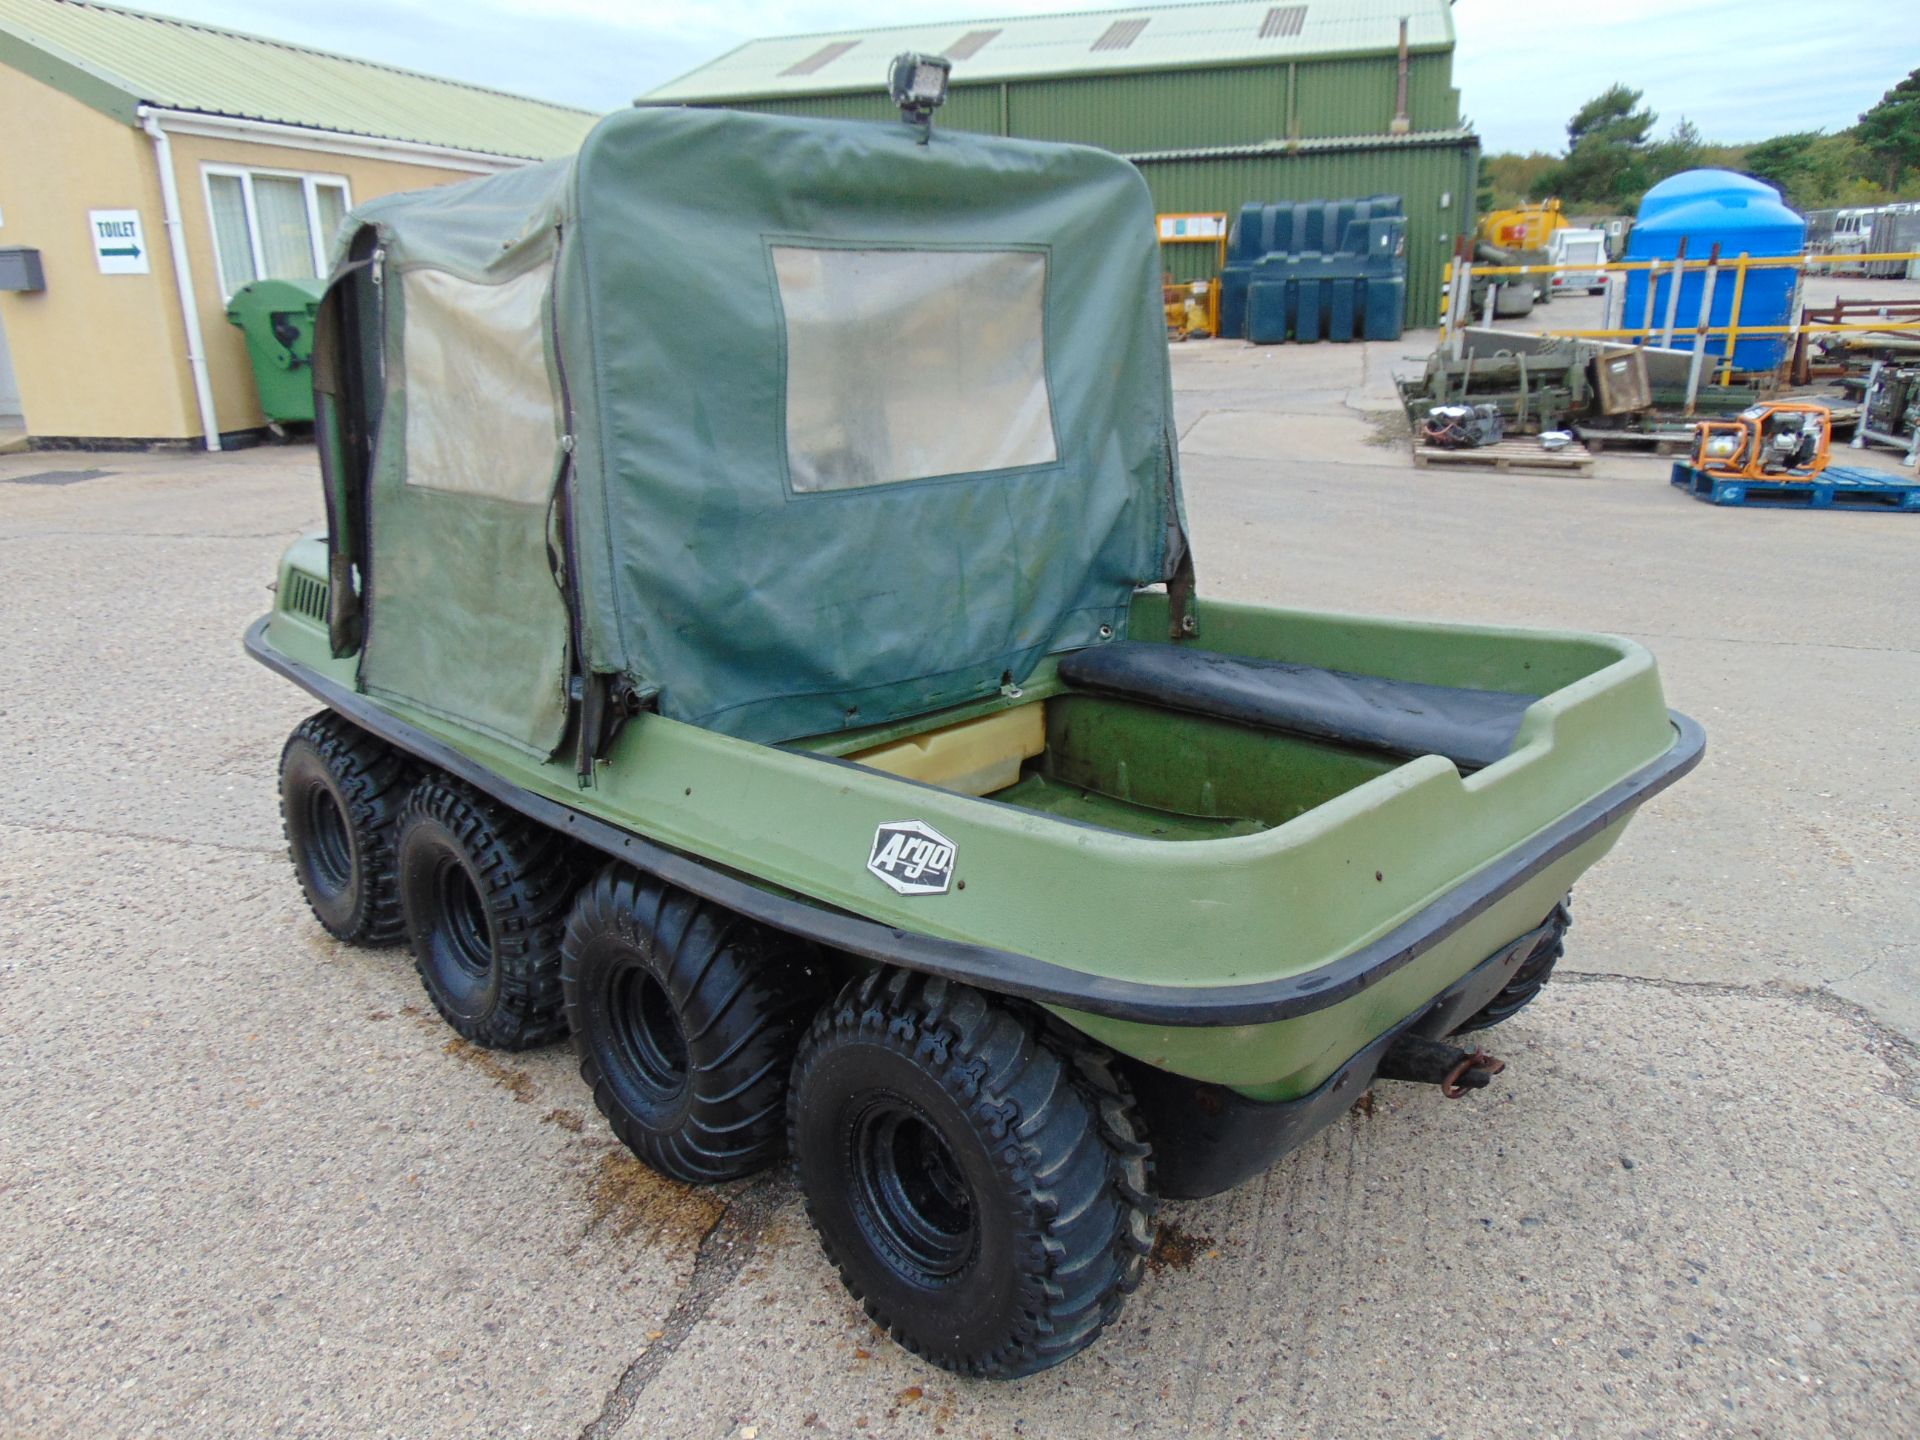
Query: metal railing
pixel 1459 278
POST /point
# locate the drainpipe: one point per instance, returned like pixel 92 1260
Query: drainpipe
pixel 182 276
pixel 1401 122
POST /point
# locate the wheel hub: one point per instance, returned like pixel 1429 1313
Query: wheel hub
pixel 647 1033
pixel 469 932
pixel 911 1190
pixel 329 845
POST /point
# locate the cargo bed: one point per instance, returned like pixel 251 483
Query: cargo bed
pixel 1235 902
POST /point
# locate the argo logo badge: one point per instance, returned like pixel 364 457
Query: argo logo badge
pixel 912 857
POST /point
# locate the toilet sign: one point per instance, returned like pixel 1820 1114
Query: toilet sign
pixel 119 247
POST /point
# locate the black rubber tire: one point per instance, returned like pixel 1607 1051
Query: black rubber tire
pixel 984 1191
pixel 485 893
pixel 1529 980
pixel 685 1017
pixel 341 791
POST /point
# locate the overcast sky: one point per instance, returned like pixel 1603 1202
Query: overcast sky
pixel 1739 69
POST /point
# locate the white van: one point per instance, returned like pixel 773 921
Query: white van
pixel 1578 247
pixel 1850 231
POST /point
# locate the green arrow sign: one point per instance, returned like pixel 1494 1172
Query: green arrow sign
pixel 119 245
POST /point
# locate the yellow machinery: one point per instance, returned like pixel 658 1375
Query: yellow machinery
pixel 1779 440
pixel 1523 227
pixel 1192 308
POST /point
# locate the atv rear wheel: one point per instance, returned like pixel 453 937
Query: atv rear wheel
pixel 1530 979
pixel 341 790
pixel 485 894
pixel 685 1018
pixel 983 1190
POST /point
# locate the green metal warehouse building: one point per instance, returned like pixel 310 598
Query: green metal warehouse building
pixel 1218 104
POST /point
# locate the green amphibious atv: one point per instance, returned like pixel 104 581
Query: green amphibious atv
pixel 811 712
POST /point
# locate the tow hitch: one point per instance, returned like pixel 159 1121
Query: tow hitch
pixel 1434 1062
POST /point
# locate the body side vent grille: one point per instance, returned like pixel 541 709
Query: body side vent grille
pixel 304 595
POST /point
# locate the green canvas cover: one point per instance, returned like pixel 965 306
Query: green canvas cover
pixel 845 427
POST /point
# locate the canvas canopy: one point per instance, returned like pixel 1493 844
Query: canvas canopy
pixel 794 425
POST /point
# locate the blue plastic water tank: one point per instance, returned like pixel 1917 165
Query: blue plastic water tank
pixel 1739 214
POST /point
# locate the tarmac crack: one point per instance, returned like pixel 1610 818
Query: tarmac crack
pixel 1758 640
pixel 1194 422
pixel 42 827
pixel 724 1251
pixel 195 535
pixel 1898 1052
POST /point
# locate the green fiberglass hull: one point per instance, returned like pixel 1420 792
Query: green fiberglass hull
pixel 1236 906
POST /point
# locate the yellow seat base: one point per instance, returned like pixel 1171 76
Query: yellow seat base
pixel 975 757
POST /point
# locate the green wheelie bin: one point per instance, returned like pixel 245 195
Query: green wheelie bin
pixel 277 318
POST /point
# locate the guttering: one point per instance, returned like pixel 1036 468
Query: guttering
pixel 333 142
pixel 182 275
pixel 981 79
pixel 1401 124
pixel 1415 140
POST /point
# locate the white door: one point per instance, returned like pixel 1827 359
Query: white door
pixel 10 417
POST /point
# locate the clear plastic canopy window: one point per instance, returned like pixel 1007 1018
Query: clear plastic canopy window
pixel 481 417
pixel 913 364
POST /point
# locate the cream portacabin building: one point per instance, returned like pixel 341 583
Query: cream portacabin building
pixel 153 166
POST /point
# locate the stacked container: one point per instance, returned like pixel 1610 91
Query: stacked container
pixel 1316 270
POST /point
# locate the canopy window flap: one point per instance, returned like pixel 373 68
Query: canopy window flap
pixel 913 364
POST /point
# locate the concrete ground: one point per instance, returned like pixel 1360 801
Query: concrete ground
pixel 252 1187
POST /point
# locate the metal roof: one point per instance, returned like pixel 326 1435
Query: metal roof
pixel 1093 42
pixel 115 60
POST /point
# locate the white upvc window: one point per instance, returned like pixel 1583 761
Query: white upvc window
pixel 271 224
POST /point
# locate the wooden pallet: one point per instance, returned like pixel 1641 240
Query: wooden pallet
pixel 1838 487
pixel 1644 442
pixel 1519 452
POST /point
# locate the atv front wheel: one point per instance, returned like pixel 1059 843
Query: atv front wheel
pixel 340 794
pixel 685 1018
pixel 485 894
pixel 983 1192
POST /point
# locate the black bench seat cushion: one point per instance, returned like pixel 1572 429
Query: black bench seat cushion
pixel 1472 728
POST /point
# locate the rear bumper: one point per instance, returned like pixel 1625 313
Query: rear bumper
pixel 1008 972
pixel 1208 1138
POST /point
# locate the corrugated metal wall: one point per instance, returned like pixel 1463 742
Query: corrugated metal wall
pixel 1351 97
pixel 1435 182
pixel 1155 111
pixel 1240 105
pixel 1179 109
